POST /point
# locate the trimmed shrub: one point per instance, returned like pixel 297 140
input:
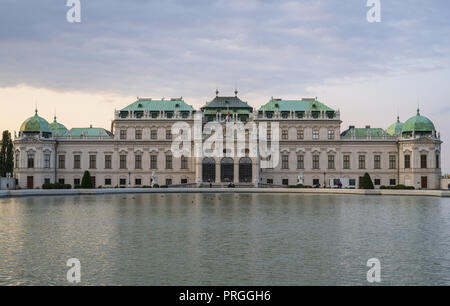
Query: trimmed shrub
pixel 56 186
pixel 156 186
pixel 366 182
pixel 398 187
pixel 86 182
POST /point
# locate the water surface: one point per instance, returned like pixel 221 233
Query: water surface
pixel 225 239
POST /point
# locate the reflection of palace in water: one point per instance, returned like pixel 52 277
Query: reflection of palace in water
pixel 312 148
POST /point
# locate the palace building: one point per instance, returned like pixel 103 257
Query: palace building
pixel 313 148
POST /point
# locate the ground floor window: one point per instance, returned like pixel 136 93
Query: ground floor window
pixel 76 182
pixel 168 182
pixel 316 182
pixel 285 182
pixel 377 182
pixel 184 181
pixel 47 181
pixel 138 182
pixel 107 182
pixel 61 181
pixel 123 182
pixel 352 182
pixel 270 181
pixel 392 182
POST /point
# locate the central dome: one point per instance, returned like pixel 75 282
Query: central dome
pixel 35 124
pixel 418 124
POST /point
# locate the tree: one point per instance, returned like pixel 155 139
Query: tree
pixel 86 182
pixel 366 182
pixel 6 154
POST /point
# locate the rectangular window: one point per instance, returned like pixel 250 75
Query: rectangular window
pixel 77 161
pixel 61 181
pixel 108 162
pixel 407 161
pixel 47 161
pixel 423 161
pixel 300 134
pixel 154 134
pixel 300 162
pixel 270 181
pixel 330 161
pixel 138 134
pixel 438 162
pixel 184 162
pixel 123 182
pixel 107 182
pixel 315 134
pixel 285 135
pixel 362 162
pixel 47 181
pixel 392 182
pixel 138 182
pixel 377 162
pixel 269 135
pixel 285 182
pixel 346 162
pixel 76 182
pixel 316 164
pixel 123 161
pixel 138 162
pixel 316 182
pixel 92 161
pixel 61 161
pixel 168 134
pixel 377 182
pixel 123 134
pixel 285 161
pixel 392 162
pixel 168 182
pixel 184 181
pixel 352 182
pixel 330 134
pixel 168 161
pixel 17 161
pixel 153 162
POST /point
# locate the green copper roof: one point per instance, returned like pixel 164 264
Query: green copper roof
pixel 227 103
pixel 58 128
pixel 89 132
pixel 295 105
pixel 363 132
pixel 395 129
pixel 158 105
pixel 35 124
pixel 418 123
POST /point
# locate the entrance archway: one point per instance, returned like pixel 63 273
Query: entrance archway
pixel 245 170
pixel 209 170
pixel 227 170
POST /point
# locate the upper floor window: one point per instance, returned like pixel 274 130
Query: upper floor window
pixel 138 134
pixel 92 161
pixel 47 161
pixel 123 134
pixel 168 134
pixel 392 162
pixel 138 161
pixel 16 163
pixel 61 161
pixel 77 161
pixel 423 161
pixel 438 162
pixel 330 134
pixel 300 134
pixel 153 161
pixel 269 135
pixel 362 162
pixel 284 134
pixel 154 134
pixel 346 162
pixel 300 162
pixel 123 162
pixel 407 161
pixel 316 164
pixel 168 161
pixel 108 161
pixel 315 134
pixel 330 161
pixel 285 161
pixel 30 161
pixel 184 162
pixel 377 162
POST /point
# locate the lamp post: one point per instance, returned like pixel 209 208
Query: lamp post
pixel 324 179
pixel 129 179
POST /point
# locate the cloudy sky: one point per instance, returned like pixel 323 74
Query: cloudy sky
pixel 286 49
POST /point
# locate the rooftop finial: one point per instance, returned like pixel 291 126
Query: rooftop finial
pixel 236 92
pixel 217 92
pixel 418 111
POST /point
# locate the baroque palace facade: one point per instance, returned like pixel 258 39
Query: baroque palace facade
pixel 313 148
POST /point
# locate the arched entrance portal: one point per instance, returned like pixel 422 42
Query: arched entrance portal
pixel 245 170
pixel 227 170
pixel 209 170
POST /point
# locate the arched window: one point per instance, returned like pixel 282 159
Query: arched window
pixel 245 170
pixel 227 170
pixel 209 170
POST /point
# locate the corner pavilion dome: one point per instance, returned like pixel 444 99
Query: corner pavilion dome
pixel 36 125
pixel 395 129
pixel 57 128
pixel 418 125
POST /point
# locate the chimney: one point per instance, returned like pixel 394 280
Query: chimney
pixel 367 126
